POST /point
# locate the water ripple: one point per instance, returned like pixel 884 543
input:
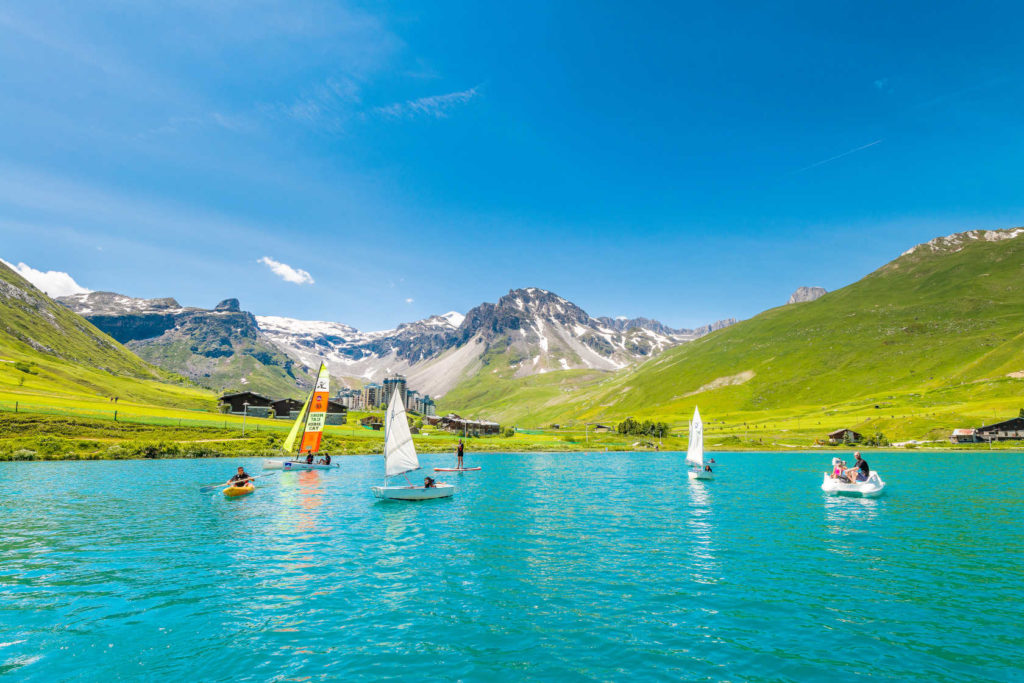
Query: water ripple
pixel 569 567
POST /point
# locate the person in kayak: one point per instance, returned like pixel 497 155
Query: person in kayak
pixel 241 478
pixel 459 453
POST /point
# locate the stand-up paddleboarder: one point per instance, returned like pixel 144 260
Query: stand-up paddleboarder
pixel 459 452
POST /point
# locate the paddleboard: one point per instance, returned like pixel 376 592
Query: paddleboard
pixel 456 469
pixel 233 491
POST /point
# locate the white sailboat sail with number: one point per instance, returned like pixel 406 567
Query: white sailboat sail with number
pixel 310 424
pixel 400 459
pixel 695 449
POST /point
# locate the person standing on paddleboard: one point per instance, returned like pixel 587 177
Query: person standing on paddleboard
pixel 459 453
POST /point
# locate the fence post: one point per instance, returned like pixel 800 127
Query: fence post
pixel 115 416
pixel 15 406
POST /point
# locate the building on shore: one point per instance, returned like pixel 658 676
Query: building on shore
pixel 393 384
pixel 285 408
pixel 844 436
pixel 245 403
pixel 373 396
pixel 1006 430
pixel 964 436
pixel 257 405
pixel 460 425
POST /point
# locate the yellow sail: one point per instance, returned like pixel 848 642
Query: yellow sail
pixel 289 443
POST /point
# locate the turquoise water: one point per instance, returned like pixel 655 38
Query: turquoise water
pixel 544 566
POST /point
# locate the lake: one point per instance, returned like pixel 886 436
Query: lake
pixel 569 567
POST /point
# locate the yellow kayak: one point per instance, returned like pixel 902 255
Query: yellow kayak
pixel 233 491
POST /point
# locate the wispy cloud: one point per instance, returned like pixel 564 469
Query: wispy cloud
pixel 883 85
pixel 286 272
pixel 54 282
pixel 436 106
pixel 838 156
pixel 409 301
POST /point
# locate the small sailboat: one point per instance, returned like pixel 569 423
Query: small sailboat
pixel 310 423
pixel 695 449
pixel 400 459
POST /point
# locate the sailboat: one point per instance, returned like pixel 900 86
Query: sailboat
pixel 695 449
pixel 400 459
pixel 310 424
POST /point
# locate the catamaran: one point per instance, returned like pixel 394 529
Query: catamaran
pixel 310 424
pixel 695 449
pixel 400 459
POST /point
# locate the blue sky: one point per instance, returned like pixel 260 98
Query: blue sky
pixel 685 162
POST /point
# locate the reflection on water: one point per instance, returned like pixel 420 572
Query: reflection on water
pixel 543 566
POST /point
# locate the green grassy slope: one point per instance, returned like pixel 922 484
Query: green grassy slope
pixel 46 350
pixel 937 330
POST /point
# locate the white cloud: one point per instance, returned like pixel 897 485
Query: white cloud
pixel 436 106
pixel 409 301
pixel 286 272
pixel 54 282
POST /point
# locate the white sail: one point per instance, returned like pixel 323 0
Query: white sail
pixel 399 451
pixel 695 449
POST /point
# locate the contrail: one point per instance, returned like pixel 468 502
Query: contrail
pixel 838 156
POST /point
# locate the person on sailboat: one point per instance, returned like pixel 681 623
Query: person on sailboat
pixel 309 458
pixel 241 478
pixel 326 460
pixel 428 483
pixel 459 453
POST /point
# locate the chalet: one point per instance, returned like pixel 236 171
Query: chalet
pixel 844 436
pixel 964 436
pixel 245 403
pixel 285 408
pixel 371 421
pixel 1002 431
pixel 601 429
pixel 337 413
pixel 454 423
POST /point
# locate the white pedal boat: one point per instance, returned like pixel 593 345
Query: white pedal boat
pixel 295 465
pixel 413 492
pixel 865 489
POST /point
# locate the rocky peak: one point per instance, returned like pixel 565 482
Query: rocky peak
pixel 805 294
pixel 228 306
pixel 955 242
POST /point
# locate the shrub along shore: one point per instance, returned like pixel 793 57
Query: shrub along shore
pixel 27 437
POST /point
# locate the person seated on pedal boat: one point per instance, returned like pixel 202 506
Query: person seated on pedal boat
pixel 860 470
pixel 428 483
pixel 241 478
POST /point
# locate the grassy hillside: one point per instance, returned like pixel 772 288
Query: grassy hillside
pixel 48 351
pixel 936 337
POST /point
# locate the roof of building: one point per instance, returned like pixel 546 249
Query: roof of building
pixel 839 432
pixel 964 432
pixel 226 397
pixel 1017 421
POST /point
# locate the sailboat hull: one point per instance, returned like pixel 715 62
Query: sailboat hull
pixel 292 466
pixel 413 492
pixel 701 474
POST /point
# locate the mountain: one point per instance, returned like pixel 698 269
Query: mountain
pixel 939 328
pixel 47 349
pixel 532 330
pixel 359 356
pixel 805 294
pixel 222 348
